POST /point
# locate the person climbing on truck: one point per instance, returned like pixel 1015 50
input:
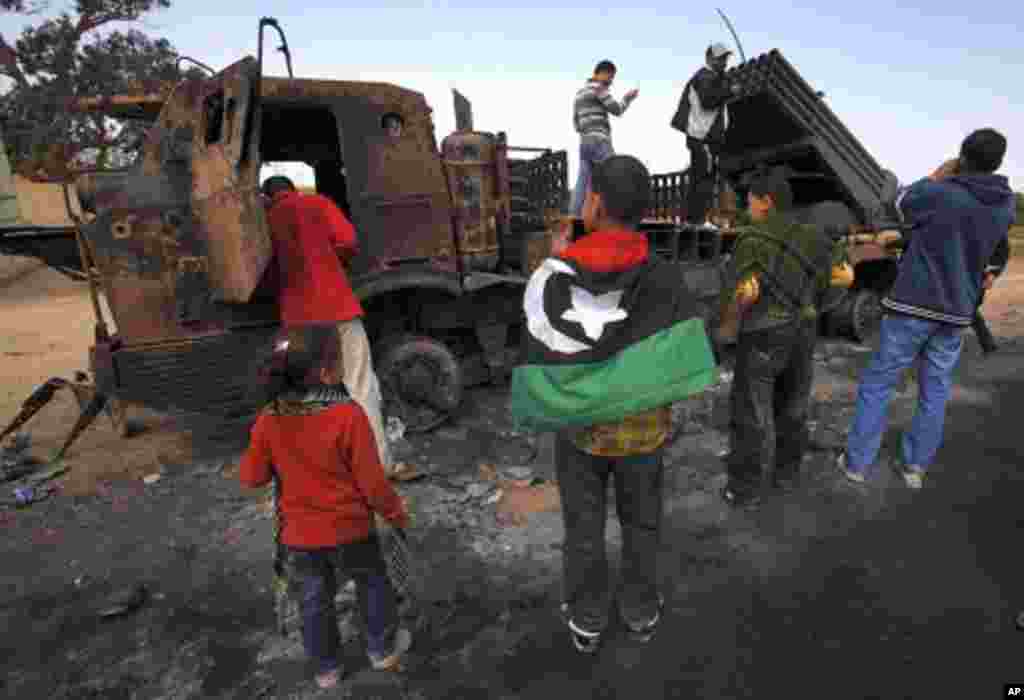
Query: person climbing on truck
pixel 593 104
pixel 781 269
pixel 703 116
pixel 311 239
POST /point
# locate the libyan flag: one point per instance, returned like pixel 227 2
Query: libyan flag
pixel 604 345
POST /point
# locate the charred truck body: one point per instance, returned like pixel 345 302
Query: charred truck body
pixel 179 245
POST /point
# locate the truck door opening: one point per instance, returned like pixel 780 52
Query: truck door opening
pixel 308 135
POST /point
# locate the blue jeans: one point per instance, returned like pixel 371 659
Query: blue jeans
pixel 313 581
pixel 905 340
pixel 592 151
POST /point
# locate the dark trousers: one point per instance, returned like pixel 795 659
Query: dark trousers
pixel 583 486
pixel 313 581
pixel 771 393
pixel 701 183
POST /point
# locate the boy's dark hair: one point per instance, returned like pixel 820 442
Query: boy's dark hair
pixel 625 187
pixel 984 150
pixel 775 185
pixel 277 183
pixel 604 67
pixel 299 355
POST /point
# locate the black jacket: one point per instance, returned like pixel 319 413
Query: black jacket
pixel 713 91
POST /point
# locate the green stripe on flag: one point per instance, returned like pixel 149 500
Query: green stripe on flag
pixel 663 368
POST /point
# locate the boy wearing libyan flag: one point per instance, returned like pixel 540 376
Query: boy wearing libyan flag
pixel 614 338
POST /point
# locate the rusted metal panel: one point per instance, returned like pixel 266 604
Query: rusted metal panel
pixel 213 374
pixel 186 227
pixel 397 191
pixel 198 138
pixel 411 227
pixel 401 203
pixel 479 194
pixel 226 197
pixel 143 227
pixel 537 247
pixel 145 106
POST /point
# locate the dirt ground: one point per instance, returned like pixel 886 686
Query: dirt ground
pixel 48 322
pixel 48 327
pixel 825 592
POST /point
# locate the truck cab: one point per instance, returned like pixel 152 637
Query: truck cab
pixel 179 243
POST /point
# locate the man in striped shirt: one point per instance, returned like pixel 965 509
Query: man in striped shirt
pixel 590 113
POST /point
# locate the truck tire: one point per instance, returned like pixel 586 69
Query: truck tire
pixel 421 381
pixel 858 316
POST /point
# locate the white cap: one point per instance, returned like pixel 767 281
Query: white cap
pixel 718 49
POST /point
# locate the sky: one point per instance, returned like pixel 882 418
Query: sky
pixel 910 84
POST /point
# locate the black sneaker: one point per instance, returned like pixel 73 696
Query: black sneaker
pixel 741 497
pixel 584 641
pixel 643 630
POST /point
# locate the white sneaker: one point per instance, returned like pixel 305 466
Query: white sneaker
pixel 855 477
pixel 392 662
pixel 913 475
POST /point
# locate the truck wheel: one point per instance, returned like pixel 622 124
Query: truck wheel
pixel 858 316
pixel 421 381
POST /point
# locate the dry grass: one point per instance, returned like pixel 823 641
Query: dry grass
pixel 1017 241
pixel 42 204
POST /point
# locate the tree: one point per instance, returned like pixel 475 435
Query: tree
pixel 20 6
pixel 58 61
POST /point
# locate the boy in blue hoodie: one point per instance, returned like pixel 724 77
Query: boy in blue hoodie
pixel 959 221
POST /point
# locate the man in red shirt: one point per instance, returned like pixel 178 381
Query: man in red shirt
pixel 312 238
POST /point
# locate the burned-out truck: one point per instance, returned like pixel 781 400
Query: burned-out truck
pixel 778 121
pixel 179 246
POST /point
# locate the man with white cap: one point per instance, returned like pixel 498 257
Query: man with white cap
pixel 704 117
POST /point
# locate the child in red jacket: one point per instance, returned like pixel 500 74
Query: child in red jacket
pixel 318 443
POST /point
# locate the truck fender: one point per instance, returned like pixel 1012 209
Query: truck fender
pixel 374 284
pixel 475 281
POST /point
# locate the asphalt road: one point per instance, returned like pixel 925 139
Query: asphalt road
pixel 829 592
pixel 882 594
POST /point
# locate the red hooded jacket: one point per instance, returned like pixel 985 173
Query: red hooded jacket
pixel 309 232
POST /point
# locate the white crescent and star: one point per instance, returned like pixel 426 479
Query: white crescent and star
pixel 592 312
